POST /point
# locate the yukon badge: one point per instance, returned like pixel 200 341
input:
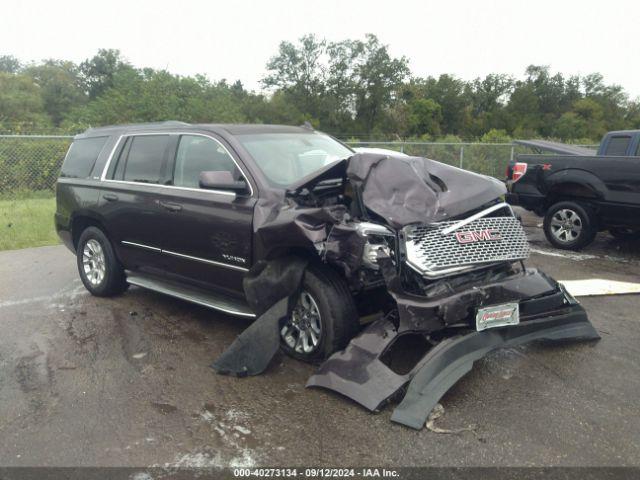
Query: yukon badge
pixel 474 236
pixel 233 258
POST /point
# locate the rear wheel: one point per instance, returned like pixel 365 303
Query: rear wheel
pixel 100 270
pixel 570 225
pixel 323 319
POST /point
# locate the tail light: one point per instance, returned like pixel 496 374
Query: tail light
pixel 519 169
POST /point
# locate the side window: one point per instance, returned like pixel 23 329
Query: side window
pixel 618 146
pixel 197 154
pixel 145 159
pixel 81 157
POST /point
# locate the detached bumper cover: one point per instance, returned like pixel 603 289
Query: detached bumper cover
pixel 361 373
pixel 451 359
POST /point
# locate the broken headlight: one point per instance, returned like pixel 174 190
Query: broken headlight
pixel 378 237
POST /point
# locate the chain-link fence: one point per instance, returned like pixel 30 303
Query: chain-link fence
pixel 29 164
pixel 29 167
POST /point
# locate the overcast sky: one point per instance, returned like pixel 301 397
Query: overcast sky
pixel 234 39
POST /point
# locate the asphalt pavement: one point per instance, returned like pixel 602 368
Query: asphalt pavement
pixel 126 381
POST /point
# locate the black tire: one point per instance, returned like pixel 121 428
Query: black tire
pixel 580 215
pixel 625 233
pixel 113 280
pixel 338 315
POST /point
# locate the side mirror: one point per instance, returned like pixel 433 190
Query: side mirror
pixel 221 180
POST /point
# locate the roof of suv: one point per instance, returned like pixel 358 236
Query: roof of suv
pixel 231 128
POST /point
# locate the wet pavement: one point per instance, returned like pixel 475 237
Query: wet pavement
pixel 126 381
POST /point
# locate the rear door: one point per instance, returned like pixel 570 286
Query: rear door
pixel 208 234
pixel 129 199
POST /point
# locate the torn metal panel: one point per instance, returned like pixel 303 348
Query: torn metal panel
pixel 414 190
pixel 269 288
pixel 363 372
pixel 254 348
pixel 268 282
pixel 452 358
pixel 282 223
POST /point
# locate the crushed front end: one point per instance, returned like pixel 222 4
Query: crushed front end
pixel 461 290
pixel 432 247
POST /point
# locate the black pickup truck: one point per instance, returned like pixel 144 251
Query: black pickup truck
pixel 580 191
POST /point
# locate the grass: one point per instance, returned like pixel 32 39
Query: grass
pixel 27 222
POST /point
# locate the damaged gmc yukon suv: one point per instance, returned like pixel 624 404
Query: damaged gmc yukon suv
pixel 290 226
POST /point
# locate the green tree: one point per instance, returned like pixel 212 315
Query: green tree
pixel 60 87
pixel 9 64
pixel 98 72
pixel 298 71
pixel 377 78
pixel 149 95
pixel 21 105
pixel 425 117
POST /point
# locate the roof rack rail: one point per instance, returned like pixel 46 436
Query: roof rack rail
pixel 174 122
pixel 148 124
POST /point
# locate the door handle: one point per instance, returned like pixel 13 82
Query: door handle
pixel 172 207
pixel 110 197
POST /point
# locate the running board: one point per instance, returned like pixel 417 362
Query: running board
pixel 195 295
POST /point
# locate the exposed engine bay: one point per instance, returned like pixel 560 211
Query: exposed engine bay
pixel 433 248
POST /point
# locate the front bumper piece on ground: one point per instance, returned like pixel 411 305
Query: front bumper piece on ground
pixel 363 373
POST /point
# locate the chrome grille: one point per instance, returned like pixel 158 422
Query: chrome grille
pixel 431 253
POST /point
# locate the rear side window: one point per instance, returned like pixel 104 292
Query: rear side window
pixel 146 158
pixel 81 157
pixel 618 146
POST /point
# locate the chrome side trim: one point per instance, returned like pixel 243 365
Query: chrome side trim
pixel 478 215
pixel 140 245
pixel 188 257
pixel 155 185
pixel 138 134
pixel 154 286
pixel 205 260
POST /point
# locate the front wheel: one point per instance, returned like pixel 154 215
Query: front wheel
pixel 570 225
pixel 323 319
pixel 100 270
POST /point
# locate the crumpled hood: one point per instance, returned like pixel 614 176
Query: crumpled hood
pixel 407 190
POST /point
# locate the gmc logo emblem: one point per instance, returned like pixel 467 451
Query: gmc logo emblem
pixel 488 235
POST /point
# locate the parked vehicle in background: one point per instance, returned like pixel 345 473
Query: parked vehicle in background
pixel 580 191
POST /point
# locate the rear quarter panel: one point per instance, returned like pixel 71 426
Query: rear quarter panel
pixel 74 198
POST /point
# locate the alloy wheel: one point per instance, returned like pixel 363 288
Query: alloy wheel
pixel 303 331
pixel 566 225
pixel 93 262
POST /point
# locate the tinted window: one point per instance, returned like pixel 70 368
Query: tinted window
pixel 82 156
pixel 146 158
pixel 618 146
pixel 199 154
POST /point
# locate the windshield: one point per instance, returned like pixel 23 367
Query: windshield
pixel 285 158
